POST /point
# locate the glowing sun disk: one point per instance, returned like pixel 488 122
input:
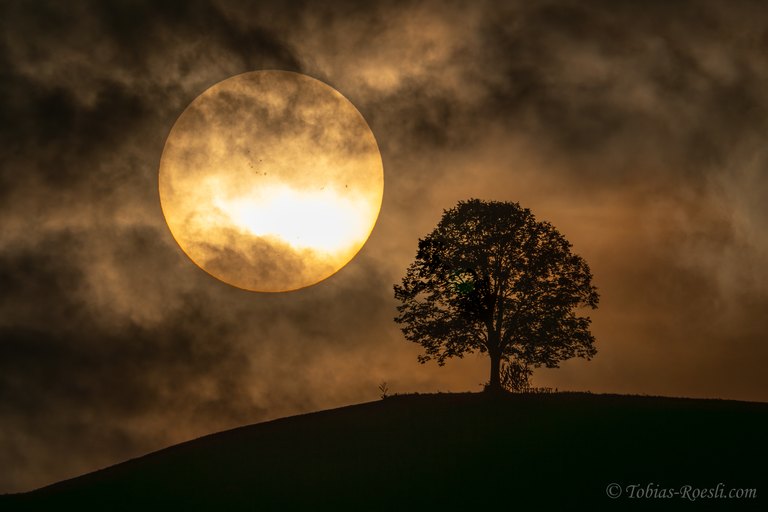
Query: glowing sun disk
pixel 271 181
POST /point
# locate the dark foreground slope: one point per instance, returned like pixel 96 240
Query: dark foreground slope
pixel 446 452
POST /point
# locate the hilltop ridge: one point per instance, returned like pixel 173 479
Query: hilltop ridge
pixel 440 451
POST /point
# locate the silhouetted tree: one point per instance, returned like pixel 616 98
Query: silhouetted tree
pixel 491 278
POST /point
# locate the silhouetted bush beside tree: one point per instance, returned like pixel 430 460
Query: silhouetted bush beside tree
pixel 516 376
pixel 493 279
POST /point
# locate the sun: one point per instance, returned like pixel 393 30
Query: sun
pixel 271 181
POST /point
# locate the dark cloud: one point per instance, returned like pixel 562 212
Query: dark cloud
pixel 635 128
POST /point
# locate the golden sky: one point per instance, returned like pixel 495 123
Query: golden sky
pixel 637 129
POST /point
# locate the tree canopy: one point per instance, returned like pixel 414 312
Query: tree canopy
pixel 493 279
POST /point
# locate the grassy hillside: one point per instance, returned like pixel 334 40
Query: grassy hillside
pixel 444 452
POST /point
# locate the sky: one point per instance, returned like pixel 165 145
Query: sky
pixel 635 128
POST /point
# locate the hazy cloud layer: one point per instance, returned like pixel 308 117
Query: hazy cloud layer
pixel 636 128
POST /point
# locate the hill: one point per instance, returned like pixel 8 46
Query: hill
pixel 446 452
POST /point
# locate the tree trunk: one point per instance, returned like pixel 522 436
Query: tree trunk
pixel 494 383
